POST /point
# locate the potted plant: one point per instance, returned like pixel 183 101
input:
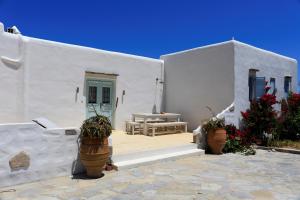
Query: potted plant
pixel 216 134
pixel 94 150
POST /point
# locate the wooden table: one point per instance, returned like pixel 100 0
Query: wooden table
pixel 150 116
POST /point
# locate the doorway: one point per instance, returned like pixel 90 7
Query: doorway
pixel 100 96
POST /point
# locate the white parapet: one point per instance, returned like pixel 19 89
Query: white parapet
pixel 29 152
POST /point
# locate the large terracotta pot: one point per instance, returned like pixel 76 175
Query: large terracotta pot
pixel 258 141
pixel 94 156
pixel 216 140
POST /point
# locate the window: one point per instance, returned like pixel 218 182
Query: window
pixel 287 85
pixel 256 85
pixel 272 86
pixel 106 95
pixel 251 84
pixel 260 83
pixel 92 94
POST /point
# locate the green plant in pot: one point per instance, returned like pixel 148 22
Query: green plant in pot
pixel 94 150
pixel 215 134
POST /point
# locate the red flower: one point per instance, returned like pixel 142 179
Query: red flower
pixel 239 133
pixel 267 88
pixel 268 99
pixel 245 114
pixel 294 100
pixel 231 137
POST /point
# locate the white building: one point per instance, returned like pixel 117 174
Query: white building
pixel 221 74
pixel 64 83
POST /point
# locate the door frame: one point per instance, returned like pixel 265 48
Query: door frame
pixel 94 76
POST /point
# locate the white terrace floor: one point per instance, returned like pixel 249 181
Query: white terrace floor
pixel 124 143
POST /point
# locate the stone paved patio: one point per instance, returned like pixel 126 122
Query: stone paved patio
pixel 267 175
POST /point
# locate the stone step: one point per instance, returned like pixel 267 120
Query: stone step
pixel 148 157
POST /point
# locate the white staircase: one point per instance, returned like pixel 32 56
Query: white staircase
pixel 146 157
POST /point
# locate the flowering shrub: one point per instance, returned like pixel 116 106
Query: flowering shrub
pixel 260 118
pixel 289 119
pixel 232 140
pixel 293 101
pixel 236 141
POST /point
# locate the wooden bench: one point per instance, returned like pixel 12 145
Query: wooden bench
pixel 154 126
pixel 137 126
pixel 150 120
pixel 133 127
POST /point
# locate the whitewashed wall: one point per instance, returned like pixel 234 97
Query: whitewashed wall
pixel 11 79
pixel 198 78
pixel 269 65
pixel 51 152
pixel 217 75
pixel 50 72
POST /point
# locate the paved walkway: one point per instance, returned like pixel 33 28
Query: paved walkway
pixel 267 175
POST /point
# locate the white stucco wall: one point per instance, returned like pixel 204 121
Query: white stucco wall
pixel 38 78
pixel 269 65
pixel 51 152
pixel 217 75
pixel 11 79
pixel 45 84
pixel 198 78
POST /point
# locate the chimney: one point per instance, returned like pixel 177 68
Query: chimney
pixel 13 30
pixel 1 28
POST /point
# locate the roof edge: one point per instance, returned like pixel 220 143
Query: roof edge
pixel 233 41
pixel 265 51
pixel 94 49
pixel 197 48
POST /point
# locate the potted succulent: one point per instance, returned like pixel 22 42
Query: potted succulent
pixel 94 150
pixel 215 134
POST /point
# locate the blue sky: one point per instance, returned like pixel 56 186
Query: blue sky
pixel 155 27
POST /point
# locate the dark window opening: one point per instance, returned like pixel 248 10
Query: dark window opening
pixel 92 94
pixel 287 85
pixel 251 84
pixel 256 85
pixel 272 86
pixel 106 95
pixel 260 87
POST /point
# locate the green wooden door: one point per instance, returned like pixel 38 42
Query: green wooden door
pixel 100 96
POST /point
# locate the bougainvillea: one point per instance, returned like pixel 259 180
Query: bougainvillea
pixel 293 102
pixel 260 118
pixel 289 119
pixel 237 141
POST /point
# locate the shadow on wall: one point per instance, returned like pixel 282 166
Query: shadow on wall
pixel 77 167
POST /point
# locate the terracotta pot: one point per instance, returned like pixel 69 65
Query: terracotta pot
pixel 258 141
pixel 94 156
pixel 216 140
